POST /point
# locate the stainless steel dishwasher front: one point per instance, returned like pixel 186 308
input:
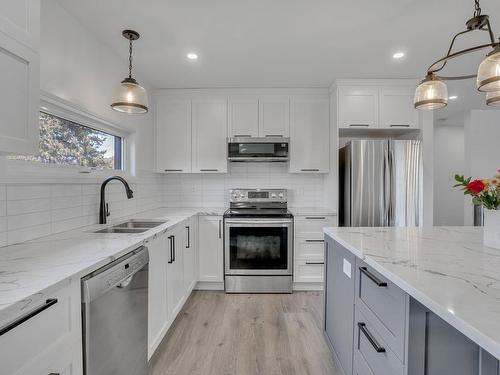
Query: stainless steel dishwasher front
pixel 115 316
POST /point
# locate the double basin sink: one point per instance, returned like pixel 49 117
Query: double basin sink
pixel 132 226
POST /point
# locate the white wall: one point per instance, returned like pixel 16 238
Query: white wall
pixel 448 161
pixel 482 151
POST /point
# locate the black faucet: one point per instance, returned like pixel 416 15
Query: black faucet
pixel 103 206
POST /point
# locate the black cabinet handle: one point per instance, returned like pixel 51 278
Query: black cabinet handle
pixel 399 125
pixel 171 249
pixel 209 170
pixel 359 125
pixel 274 135
pixel 242 136
pixel 368 335
pixel 220 232
pixel 173 170
pixel 315 218
pixel 372 277
pixel 315 240
pixel 30 314
pixel 173 242
pixel 312 263
pixel 309 170
pixel 189 239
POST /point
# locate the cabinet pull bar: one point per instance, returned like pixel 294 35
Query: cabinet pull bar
pixel 208 170
pixel 274 135
pixel 170 261
pixel 373 278
pixel 399 125
pixel 30 314
pixel 368 335
pixel 242 136
pixel 310 170
pixel 314 263
pixel 359 125
pixel 173 242
pixel 188 238
pixel 220 225
pixel 315 240
pixel 174 170
pixel 315 218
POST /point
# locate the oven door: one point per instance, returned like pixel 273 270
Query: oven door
pixel 258 246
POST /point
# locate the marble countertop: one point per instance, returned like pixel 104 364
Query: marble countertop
pixel 31 270
pixel 447 269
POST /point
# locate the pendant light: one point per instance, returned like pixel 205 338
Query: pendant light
pixel 493 98
pixel 432 92
pixel 130 97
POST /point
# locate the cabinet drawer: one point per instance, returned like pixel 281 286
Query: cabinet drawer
pixel 309 271
pixel 369 344
pixel 377 297
pixel 312 225
pixel 310 249
pixel 53 322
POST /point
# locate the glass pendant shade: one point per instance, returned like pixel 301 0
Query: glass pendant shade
pixel 488 75
pixel 432 93
pixel 130 97
pixel 493 99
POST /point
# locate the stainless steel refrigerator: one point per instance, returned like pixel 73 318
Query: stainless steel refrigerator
pixel 380 183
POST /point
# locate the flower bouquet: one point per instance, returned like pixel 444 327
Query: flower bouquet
pixel 487 193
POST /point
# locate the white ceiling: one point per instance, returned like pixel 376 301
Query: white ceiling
pixel 286 43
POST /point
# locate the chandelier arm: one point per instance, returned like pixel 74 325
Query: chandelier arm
pixel 445 60
pixel 455 78
pixel 490 31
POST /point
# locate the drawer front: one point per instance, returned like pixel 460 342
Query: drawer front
pixel 43 332
pixel 378 297
pixel 360 367
pixel 309 271
pixel 310 249
pixel 307 226
pixel 371 346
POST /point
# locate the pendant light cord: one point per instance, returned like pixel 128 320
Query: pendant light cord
pixel 130 58
pixel 477 8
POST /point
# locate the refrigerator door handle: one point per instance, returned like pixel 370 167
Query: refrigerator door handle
pixel 387 187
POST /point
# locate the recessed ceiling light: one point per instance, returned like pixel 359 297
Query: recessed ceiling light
pixel 453 97
pixel 398 55
pixel 192 56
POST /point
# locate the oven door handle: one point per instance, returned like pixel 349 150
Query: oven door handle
pixel 258 221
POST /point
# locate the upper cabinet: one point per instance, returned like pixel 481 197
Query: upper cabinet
pixel 244 116
pixel 209 124
pixel 19 97
pixel 376 106
pixel 173 135
pixel 264 116
pixel 310 134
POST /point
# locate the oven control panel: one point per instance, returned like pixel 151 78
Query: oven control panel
pixel 258 195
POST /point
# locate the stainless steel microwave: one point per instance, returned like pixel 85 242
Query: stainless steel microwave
pixel 257 149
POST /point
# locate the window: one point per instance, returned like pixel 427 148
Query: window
pixel 69 143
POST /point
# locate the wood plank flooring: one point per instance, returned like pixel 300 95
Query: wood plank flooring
pixel 246 334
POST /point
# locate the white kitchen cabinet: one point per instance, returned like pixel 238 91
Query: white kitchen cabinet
pixel 209 124
pixel 175 271
pixel 173 135
pixel 243 116
pixel 48 342
pixel 158 322
pixel 19 59
pixel 358 107
pixel 210 249
pixel 397 109
pixel 274 116
pixel 189 254
pixel 310 134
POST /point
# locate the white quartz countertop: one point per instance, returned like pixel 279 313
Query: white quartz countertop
pixel 447 269
pixel 31 270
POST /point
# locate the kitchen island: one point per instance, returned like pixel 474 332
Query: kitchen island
pixel 427 294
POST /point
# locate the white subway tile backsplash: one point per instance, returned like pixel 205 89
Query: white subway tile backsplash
pixel 22 192
pixel 26 234
pixel 27 220
pixel 3 208
pixel 27 206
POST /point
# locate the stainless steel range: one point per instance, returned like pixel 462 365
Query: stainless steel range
pixel 258 242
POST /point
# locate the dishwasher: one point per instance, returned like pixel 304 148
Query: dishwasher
pixel 115 316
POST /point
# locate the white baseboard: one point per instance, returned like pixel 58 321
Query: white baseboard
pixel 209 285
pixel 297 287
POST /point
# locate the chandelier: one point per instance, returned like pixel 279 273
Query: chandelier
pixel 432 93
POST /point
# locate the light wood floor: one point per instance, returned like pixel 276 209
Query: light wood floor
pixel 246 334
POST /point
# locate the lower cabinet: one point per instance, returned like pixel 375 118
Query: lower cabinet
pixel 189 254
pixel 48 342
pixel 175 271
pixel 210 249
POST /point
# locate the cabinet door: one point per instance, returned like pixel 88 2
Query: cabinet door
pixel 210 249
pixel 358 107
pixel 175 272
pixel 397 109
pixel 157 293
pixel 189 250
pixel 209 135
pixel 243 117
pixel 173 135
pixel 310 135
pixel 19 98
pixel 274 116
pixel 339 302
pixel 20 20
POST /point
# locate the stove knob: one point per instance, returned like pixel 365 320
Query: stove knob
pixel 273 196
pixel 281 196
pixel 235 196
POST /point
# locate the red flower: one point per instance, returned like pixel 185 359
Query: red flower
pixel 476 186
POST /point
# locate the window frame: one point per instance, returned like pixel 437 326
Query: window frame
pixel 26 170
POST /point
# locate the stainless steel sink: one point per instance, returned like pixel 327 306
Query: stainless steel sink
pixel 122 230
pixel 140 224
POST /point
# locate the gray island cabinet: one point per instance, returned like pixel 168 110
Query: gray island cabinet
pixel 373 327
